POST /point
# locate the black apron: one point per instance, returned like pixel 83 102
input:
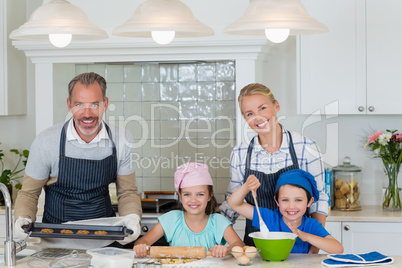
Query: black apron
pixel 266 192
pixel 81 191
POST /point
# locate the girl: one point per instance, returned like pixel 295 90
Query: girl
pixel 196 224
pixel 272 151
pixel 295 191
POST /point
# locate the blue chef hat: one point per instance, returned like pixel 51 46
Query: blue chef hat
pixel 301 178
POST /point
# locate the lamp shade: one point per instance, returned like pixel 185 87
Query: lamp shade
pixel 55 18
pixel 275 14
pixel 162 15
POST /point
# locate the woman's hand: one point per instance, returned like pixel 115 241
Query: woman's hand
pixel 252 183
pixel 141 250
pixel 218 251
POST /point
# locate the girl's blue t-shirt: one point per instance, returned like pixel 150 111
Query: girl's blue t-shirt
pixel 177 232
pixel 273 220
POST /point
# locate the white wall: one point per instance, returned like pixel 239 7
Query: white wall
pixel 351 132
pixel 348 139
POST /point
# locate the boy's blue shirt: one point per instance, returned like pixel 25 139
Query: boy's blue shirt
pixel 273 220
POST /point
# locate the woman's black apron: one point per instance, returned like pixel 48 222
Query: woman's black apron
pixel 266 192
pixel 82 188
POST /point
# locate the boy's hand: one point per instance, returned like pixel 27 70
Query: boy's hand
pixel 141 250
pixel 302 235
pixel 218 251
pixel 252 183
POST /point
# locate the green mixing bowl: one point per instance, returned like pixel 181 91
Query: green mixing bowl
pixel 276 247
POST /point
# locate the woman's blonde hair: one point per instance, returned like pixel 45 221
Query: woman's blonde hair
pixel 254 89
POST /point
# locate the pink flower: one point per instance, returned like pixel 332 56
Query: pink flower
pixel 397 137
pixel 373 137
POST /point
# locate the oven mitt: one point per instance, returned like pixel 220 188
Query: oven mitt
pixel 131 222
pixel 366 259
pixel 18 232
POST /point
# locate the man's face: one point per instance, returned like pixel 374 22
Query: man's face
pixel 87 107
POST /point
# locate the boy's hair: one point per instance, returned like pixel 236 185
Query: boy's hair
pixel 254 89
pixel 212 206
pixel 298 186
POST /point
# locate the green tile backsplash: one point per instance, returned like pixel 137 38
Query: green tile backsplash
pixel 177 112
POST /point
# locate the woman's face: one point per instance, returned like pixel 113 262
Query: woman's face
pixel 292 202
pixel 195 198
pixel 260 113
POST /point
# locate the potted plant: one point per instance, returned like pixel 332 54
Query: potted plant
pixel 11 176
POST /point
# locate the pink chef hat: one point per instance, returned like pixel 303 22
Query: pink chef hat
pixel 191 174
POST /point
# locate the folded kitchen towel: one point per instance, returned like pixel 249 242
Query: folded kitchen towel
pixel 365 259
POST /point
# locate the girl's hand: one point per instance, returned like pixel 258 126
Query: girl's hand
pixel 141 250
pixel 218 251
pixel 252 183
pixel 302 235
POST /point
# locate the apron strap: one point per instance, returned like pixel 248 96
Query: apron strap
pixel 249 151
pixel 292 151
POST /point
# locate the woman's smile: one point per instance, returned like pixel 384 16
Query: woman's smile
pixel 262 125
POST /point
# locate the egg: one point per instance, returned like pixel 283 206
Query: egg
pixel 243 259
pixel 245 247
pixel 250 252
pixel 237 251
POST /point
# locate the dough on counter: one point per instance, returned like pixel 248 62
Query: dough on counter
pixel 176 261
pixel 46 230
pixel 66 231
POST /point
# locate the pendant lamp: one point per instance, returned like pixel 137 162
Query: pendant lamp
pixel 163 20
pixel 60 22
pixel 276 19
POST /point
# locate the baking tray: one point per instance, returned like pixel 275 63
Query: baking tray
pixel 113 232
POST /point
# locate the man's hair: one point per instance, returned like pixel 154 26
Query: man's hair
pixel 87 79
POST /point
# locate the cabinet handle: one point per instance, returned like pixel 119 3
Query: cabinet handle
pixel 346 227
pixel 361 108
pixel 371 109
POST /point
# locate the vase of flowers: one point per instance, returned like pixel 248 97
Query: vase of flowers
pixel 388 146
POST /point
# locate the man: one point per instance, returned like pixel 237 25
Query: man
pixel 76 161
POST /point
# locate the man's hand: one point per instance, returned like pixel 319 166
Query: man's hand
pixel 19 233
pixel 131 222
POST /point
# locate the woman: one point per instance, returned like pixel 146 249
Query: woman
pixel 271 152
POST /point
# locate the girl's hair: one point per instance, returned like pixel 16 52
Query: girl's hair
pixel 254 89
pixel 212 206
pixel 298 186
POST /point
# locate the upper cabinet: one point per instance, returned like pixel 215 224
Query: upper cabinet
pixel 13 99
pixel 355 67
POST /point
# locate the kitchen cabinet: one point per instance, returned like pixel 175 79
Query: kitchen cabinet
pixel 361 237
pixel 13 100
pixel 335 229
pixel 355 67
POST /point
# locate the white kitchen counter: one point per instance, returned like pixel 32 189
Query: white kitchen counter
pixel 366 214
pixel 294 260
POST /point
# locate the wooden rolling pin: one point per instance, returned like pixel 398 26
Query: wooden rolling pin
pixel 179 252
